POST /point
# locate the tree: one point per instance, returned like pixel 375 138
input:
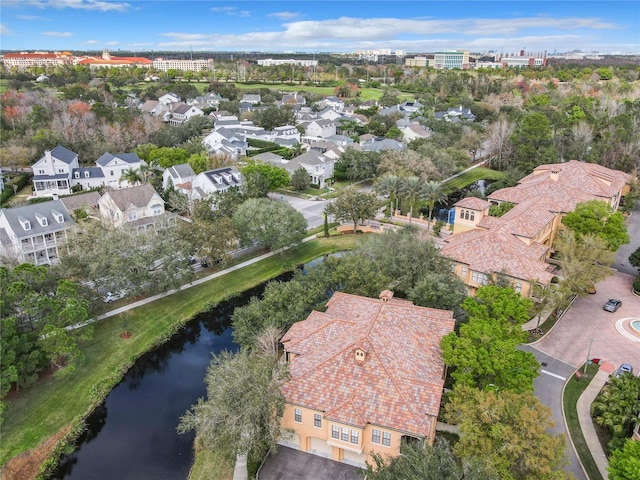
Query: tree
pixel 533 142
pixel 389 185
pixel 243 406
pixel 412 189
pixel 616 407
pixel 358 164
pixel 433 194
pixel 131 176
pixel 598 218
pixel 424 462
pixel 624 463
pixel 510 430
pixel 634 259
pixel 270 176
pixel 484 353
pixel 300 179
pixel 213 239
pixel 353 205
pixel 585 261
pixel 271 224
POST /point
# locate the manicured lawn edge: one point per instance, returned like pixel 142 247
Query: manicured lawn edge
pixel 570 394
pixel 54 404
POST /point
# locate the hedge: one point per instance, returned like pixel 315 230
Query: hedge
pixel 21 181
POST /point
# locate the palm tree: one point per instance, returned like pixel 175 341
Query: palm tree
pixel 617 407
pixel 132 176
pixel 389 185
pixel 412 189
pixel 433 194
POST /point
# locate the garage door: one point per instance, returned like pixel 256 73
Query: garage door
pixel 355 459
pixel 292 441
pixel 319 447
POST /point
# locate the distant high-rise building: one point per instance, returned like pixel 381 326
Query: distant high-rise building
pixel 451 60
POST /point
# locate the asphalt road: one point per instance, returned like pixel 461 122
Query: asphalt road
pixel 311 209
pixel 548 388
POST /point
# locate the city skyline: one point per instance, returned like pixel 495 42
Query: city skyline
pixel 328 26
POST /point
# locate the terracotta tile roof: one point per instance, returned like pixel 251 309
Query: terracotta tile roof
pixel 575 182
pixel 529 217
pixel 498 250
pixel 398 385
pixel 474 203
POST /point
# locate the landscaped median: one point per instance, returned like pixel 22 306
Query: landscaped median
pixel 53 405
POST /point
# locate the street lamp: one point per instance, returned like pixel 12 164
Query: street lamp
pixel 588 355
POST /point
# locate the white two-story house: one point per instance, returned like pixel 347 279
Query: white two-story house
pixel 34 233
pixel 113 166
pixel 52 173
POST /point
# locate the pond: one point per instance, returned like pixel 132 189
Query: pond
pixel 132 435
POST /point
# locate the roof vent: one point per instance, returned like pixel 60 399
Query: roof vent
pixel 360 355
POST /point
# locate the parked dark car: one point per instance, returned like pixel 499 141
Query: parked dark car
pixel 612 305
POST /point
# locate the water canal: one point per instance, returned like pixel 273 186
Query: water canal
pixel 132 435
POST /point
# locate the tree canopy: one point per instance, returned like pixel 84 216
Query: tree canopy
pixel 598 218
pixel 624 463
pixel 510 430
pixel 353 205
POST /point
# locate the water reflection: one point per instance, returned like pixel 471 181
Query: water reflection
pixel 138 439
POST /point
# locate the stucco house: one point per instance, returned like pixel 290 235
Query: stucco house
pixel 366 375
pixel 52 173
pixel 35 233
pixel 519 242
pixel 139 208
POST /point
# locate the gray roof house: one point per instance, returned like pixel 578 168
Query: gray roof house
pixel 34 233
pixel 378 144
pixel 217 180
pixel 113 166
pixel 52 173
pixel 318 165
pixel 179 174
pixel 252 98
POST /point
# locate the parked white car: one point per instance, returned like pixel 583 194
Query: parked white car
pixel 113 296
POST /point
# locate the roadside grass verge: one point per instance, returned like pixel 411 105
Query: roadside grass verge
pixel 39 412
pixel 471 176
pixel 572 391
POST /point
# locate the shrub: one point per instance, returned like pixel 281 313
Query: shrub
pixel 636 285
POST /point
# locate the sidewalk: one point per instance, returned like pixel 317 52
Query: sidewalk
pixel 584 416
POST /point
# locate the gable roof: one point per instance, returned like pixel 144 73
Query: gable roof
pixel 182 170
pixel 223 178
pixel 474 203
pixel 106 158
pixel 63 154
pixel 81 200
pixel 399 383
pixel 138 196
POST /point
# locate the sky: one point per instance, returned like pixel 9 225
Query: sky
pixel 143 26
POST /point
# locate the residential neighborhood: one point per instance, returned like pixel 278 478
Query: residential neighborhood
pixel 371 264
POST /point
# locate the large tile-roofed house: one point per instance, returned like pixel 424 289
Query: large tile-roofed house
pixel 34 233
pixel 519 242
pixel 365 374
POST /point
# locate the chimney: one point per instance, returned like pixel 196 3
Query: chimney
pixel 47 156
pixel 554 174
pixel 385 296
pixel 522 53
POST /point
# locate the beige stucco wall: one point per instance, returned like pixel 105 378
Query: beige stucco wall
pixel 308 435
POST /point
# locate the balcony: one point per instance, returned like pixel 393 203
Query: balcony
pixel 35 246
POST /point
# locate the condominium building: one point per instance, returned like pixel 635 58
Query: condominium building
pixel 451 60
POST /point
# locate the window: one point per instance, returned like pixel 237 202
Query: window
pixel 345 434
pixel 464 271
pixel 473 216
pixel 111 172
pixel 133 215
pixel 61 170
pixel 156 209
pixel 317 420
pixel 479 278
pixel 461 214
pixel 375 436
pixel 335 431
pixel 298 415
pixel 386 439
pixel 354 436
pixel 518 287
pixel 76 174
pixel 41 172
pixel 453 268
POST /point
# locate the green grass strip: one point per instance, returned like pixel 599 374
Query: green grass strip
pixel 37 413
pixel 572 391
pixel 469 177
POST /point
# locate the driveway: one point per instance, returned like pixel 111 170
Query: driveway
pixel 586 328
pixel 290 464
pixel 311 209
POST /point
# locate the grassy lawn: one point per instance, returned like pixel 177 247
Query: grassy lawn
pixel 471 176
pixel 54 403
pixel 572 392
pixel 209 465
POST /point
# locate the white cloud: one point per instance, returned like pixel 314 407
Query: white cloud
pixel 113 43
pixel 285 15
pixel 233 11
pixel 4 30
pixel 92 42
pixel 98 5
pixel 29 17
pixel 58 34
